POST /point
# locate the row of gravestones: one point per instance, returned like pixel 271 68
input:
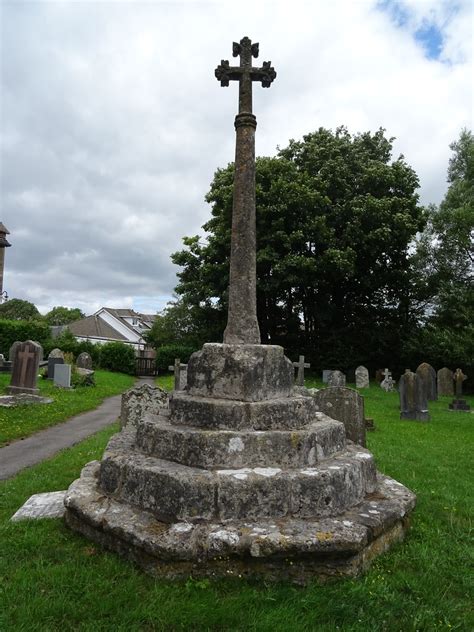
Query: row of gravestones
pixel 441 383
pixel 25 358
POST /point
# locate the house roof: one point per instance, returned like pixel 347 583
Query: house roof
pixel 94 327
pixel 122 314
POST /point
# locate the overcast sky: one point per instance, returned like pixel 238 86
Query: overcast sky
pixel 113 124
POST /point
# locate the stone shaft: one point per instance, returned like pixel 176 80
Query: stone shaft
pixel 242 324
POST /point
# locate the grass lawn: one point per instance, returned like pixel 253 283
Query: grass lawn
pixel 52 579
pixel 22 421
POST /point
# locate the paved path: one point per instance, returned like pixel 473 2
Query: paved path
pixel 46 443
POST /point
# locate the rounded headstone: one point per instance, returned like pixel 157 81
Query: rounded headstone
pixel 445 382
pixel 84 360
pixel 336 378
pixel 362 377
pixel 427 375
pixel 56 353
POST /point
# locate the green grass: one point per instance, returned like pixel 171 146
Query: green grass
pixel 52 579
pixel 22 421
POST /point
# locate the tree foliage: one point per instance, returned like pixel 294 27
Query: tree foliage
pixel 63 315
pixel 446 255
pixel 335 217
pixel 18 309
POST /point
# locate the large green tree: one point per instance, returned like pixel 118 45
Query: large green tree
pixel 19 309
pixel 335 217
pixel 446 253
pixel 63 315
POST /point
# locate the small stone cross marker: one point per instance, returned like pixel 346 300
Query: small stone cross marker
pixel 387 373
pixel 242 325
pixel 177 367
pixel 301 365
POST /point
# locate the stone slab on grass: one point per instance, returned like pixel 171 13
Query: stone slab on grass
pixel 47 505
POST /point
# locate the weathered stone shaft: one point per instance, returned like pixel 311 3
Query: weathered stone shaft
pixel 242 325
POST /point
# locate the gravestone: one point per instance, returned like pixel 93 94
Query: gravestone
pixel 141 400
pixel 458 403
pixel 25 365
pixel 336 378
pixel 346 405
pixel 445 382
pixel 362 377
pixel 413 397
pixel 56 353
pixel 326 374
pixel 301 365
pixel 239 475
pixel 428 375
pixel 387 384
pixel 180 374
pixel 55 357
pixel 379 375
pixel 12 351
pixel 84 361
pixel 62 375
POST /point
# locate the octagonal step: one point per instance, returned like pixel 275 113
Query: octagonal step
pixel 172 491
pixel 206 449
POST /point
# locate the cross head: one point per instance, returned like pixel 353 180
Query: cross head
pixel 245 73
pixel 387 373
pixel 24 356
pixel 301 365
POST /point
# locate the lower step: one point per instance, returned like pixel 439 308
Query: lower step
pixel 172 491
pixel 294 549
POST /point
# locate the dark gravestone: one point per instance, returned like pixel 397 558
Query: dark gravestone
pixel 26 359
pixel 379 375
pixel 458 403
pixel 346 405
pixel 428 375
pixel 301 365
pixel 52 362
pixel 445 382
pixel 336 378
pixel 12 351
pixel 84 361
pixel 413 397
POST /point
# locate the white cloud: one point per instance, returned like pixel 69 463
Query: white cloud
pixel 113 123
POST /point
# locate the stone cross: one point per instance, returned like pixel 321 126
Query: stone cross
pixel 177 367
pixel 301 365
pixel 242 325
pixel 387 373
pixel 459 378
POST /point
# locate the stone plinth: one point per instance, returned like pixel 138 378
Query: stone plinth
pixel 249 373
pixel 243 470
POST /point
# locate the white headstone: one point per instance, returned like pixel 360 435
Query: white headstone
pixel 362 377
pixel 62 375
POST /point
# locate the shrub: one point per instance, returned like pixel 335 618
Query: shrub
pixel 165 355
pixel 12 330
pixel 117 356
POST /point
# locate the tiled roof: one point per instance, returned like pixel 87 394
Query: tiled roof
pixel 95 327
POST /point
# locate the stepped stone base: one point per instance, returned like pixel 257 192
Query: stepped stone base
pixel 298 550
pixel 241 475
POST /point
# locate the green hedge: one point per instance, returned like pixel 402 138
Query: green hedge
pixel 13 330
pixel 117 356
pixel 165 355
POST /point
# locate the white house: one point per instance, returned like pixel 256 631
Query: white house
pixel 114 325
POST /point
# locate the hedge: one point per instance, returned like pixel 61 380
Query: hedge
pixel 13 330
